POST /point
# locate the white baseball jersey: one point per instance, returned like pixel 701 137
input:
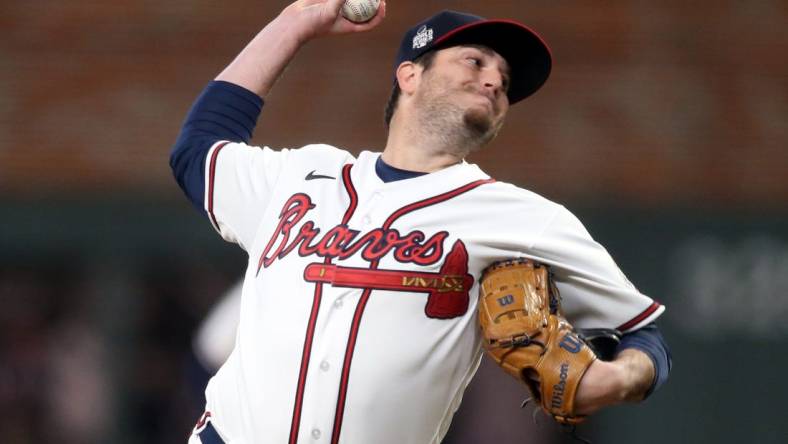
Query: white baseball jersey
pixel 358 315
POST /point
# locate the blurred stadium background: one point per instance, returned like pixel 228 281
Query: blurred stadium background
pixel 664 126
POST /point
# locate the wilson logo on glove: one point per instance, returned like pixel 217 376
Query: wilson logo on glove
pixel 571 343
pixel 506 300
pixel 558 389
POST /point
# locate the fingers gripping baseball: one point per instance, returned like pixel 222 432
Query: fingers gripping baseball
pixel 323 17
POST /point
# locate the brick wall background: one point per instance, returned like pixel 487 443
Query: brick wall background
pixel 664 126
pixel 649 103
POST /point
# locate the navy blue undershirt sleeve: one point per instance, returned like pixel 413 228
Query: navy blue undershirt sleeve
pixel 649 340
pixel 223 111
pixel 210 436
pixel 388 173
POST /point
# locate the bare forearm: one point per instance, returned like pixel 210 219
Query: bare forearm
pixel 626 379
pixel 264 59
pixel 638 373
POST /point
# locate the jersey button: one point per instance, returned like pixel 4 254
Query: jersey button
pixel 325 366
pixel 316 433
pixel 338 303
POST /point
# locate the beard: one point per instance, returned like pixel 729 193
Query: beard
pixel 480 125
pixel 467 128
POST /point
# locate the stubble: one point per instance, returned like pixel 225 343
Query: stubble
pixel 458 128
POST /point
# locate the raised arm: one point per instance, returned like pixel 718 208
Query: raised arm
pixel 264 59
pixel 228 108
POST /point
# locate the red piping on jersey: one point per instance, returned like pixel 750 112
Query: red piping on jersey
pixel 201 423
pixel 351 191
pixel 310 330
pixel 432 201
pixel 351 344
pixel 639 318
pixel 211 178
pixel 305 355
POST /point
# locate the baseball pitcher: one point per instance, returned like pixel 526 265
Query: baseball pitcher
pixel 375 283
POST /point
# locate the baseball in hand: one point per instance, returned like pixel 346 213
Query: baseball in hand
pixel 360 11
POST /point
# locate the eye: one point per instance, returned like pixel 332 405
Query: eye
pixel 475 61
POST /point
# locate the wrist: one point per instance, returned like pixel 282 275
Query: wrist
pixel 622 383
pixel 604 384
pixel 290 30
pixel 636 374
pixel 300 24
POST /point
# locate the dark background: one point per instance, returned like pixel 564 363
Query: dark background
pixel 664 127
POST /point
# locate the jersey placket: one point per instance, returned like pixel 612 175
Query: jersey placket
pixel 308 423
pixel 369 215
pixel 325 366
pixel 384 220
pixel 332 329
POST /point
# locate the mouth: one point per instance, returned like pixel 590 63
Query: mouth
pixel 487 98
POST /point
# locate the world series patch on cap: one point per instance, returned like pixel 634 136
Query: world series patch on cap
pixel 526 53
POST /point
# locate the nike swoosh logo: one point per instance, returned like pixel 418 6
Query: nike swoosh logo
pixel 313 176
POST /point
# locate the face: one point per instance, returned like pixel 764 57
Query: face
pixel 467 84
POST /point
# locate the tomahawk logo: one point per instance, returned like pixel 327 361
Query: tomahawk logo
pixel 447 290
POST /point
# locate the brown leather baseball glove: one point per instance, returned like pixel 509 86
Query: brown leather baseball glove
pixel 525 333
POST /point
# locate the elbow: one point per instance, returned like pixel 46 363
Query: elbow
pixel 177 155
pixel 180 159
pixel 187 155
pixel 187 161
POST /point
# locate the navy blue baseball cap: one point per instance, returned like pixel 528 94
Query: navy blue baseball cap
pixel 526 53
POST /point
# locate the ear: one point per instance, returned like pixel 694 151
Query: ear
pixel 408 77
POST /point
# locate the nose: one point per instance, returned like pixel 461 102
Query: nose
pixel 493 81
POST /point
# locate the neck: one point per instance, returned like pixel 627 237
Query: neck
pixel 418 147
